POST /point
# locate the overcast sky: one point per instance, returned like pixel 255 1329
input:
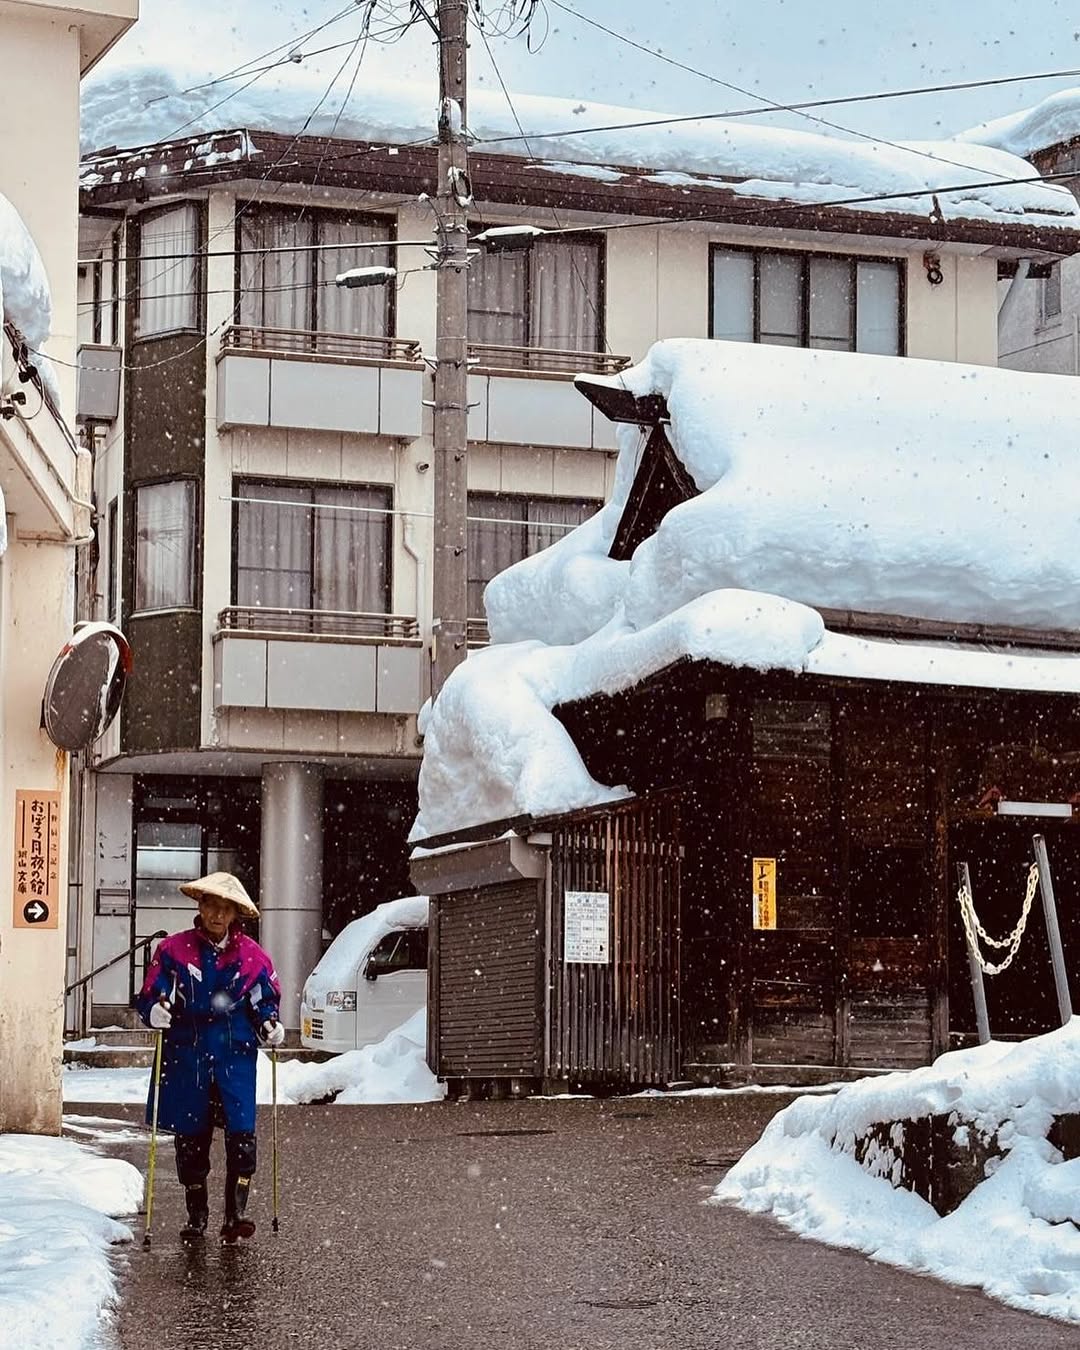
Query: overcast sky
pixel 782 50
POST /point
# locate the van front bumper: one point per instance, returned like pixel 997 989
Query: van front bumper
pixel 327 1029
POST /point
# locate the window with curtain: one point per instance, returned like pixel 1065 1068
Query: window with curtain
pixel 165 545
pixel 503 529
pixel 293 287
pixel 545 295
pixel 168 270
pixel 806 300
pixel 312 547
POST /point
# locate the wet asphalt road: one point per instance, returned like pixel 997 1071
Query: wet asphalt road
pixel 533 1225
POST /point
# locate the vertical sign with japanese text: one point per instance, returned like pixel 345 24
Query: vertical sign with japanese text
pixel 764 892
pixel 36 891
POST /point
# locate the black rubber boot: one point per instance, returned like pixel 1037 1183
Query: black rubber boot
pixel 198 1212
pixel 236 1226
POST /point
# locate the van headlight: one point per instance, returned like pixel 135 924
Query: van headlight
pixel 344 1000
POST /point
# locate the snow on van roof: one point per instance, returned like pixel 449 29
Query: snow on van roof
pixel 337 966
pixel 827 480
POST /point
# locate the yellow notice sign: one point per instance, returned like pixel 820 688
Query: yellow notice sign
pixel 764 892
pixel 37 858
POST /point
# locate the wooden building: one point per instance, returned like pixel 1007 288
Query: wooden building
pixel 781 888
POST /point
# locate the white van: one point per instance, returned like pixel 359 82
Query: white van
pixel 371 978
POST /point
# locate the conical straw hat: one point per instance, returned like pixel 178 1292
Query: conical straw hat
pixel 224 886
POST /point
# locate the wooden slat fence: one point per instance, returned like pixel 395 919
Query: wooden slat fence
pixel 619 1022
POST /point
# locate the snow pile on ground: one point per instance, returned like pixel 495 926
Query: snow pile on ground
pixel 1054 120
pixel 394 1070
pixel 24 289
pixel 377 1075
pixel 140 104
pixel 1014 1236
pixel 827 480
pixel 56 1197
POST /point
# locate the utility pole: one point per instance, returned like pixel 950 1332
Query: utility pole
pixel 450 431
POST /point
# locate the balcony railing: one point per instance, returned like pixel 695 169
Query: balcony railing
pixel 476 633
pixel 264 621
pixel 544 360
pixel 329 346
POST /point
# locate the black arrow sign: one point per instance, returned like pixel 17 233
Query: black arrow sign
pixel 34 911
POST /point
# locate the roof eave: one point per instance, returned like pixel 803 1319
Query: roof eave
pixel 510 180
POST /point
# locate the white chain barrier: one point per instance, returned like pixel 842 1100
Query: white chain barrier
pixel 975 930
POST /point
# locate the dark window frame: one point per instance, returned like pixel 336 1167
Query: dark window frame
pixel 526 498
pixel 805 256
pixel 317 214
pixel 135 282
pixel 323 484
pixel 595 241
pixel 196 544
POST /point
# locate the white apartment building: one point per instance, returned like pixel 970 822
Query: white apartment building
pixel 45 478
pixel 263 483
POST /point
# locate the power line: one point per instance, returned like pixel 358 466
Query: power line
pixel 785 207
pixel 986 83
pixel 783 107
pixel 771 104
pixel 245 68
pixel 586 291
pixel 272 248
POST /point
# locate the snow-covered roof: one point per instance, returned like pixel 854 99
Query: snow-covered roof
pixel 945 181
pixel 25 300
pixel 827 481
pixel 1055 120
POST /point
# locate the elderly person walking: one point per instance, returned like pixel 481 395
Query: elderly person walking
pixel 213 993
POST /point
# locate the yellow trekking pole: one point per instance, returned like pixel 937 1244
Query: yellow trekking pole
pixel 153 1139
pixel 273 1126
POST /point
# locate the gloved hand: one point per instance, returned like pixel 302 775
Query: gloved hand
pixel 273 1033
pixel 161 1015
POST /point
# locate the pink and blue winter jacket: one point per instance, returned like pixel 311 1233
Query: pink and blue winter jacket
pixel 219 999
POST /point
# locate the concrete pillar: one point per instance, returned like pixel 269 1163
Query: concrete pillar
pixel 290 881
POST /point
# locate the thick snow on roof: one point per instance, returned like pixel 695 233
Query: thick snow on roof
pixel 139 105
pixel 1023 133
pixel 827 480
pixel 1014 1236
pixel 24 289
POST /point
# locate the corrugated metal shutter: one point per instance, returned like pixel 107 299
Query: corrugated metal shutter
pixel 490 1006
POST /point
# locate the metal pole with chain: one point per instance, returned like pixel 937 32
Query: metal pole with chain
pixel 978 988
pixel 1053 933
pixel 450 422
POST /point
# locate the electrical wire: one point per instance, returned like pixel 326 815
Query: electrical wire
pixel 783 208
pixel 771 104
pixel 778 107
pixel 877 95
pixel 585 289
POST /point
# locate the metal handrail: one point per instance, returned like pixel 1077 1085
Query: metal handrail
pixel 142 942
pixel 83 981
pixel 310 342
pixel 318 622
pixel 549 360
